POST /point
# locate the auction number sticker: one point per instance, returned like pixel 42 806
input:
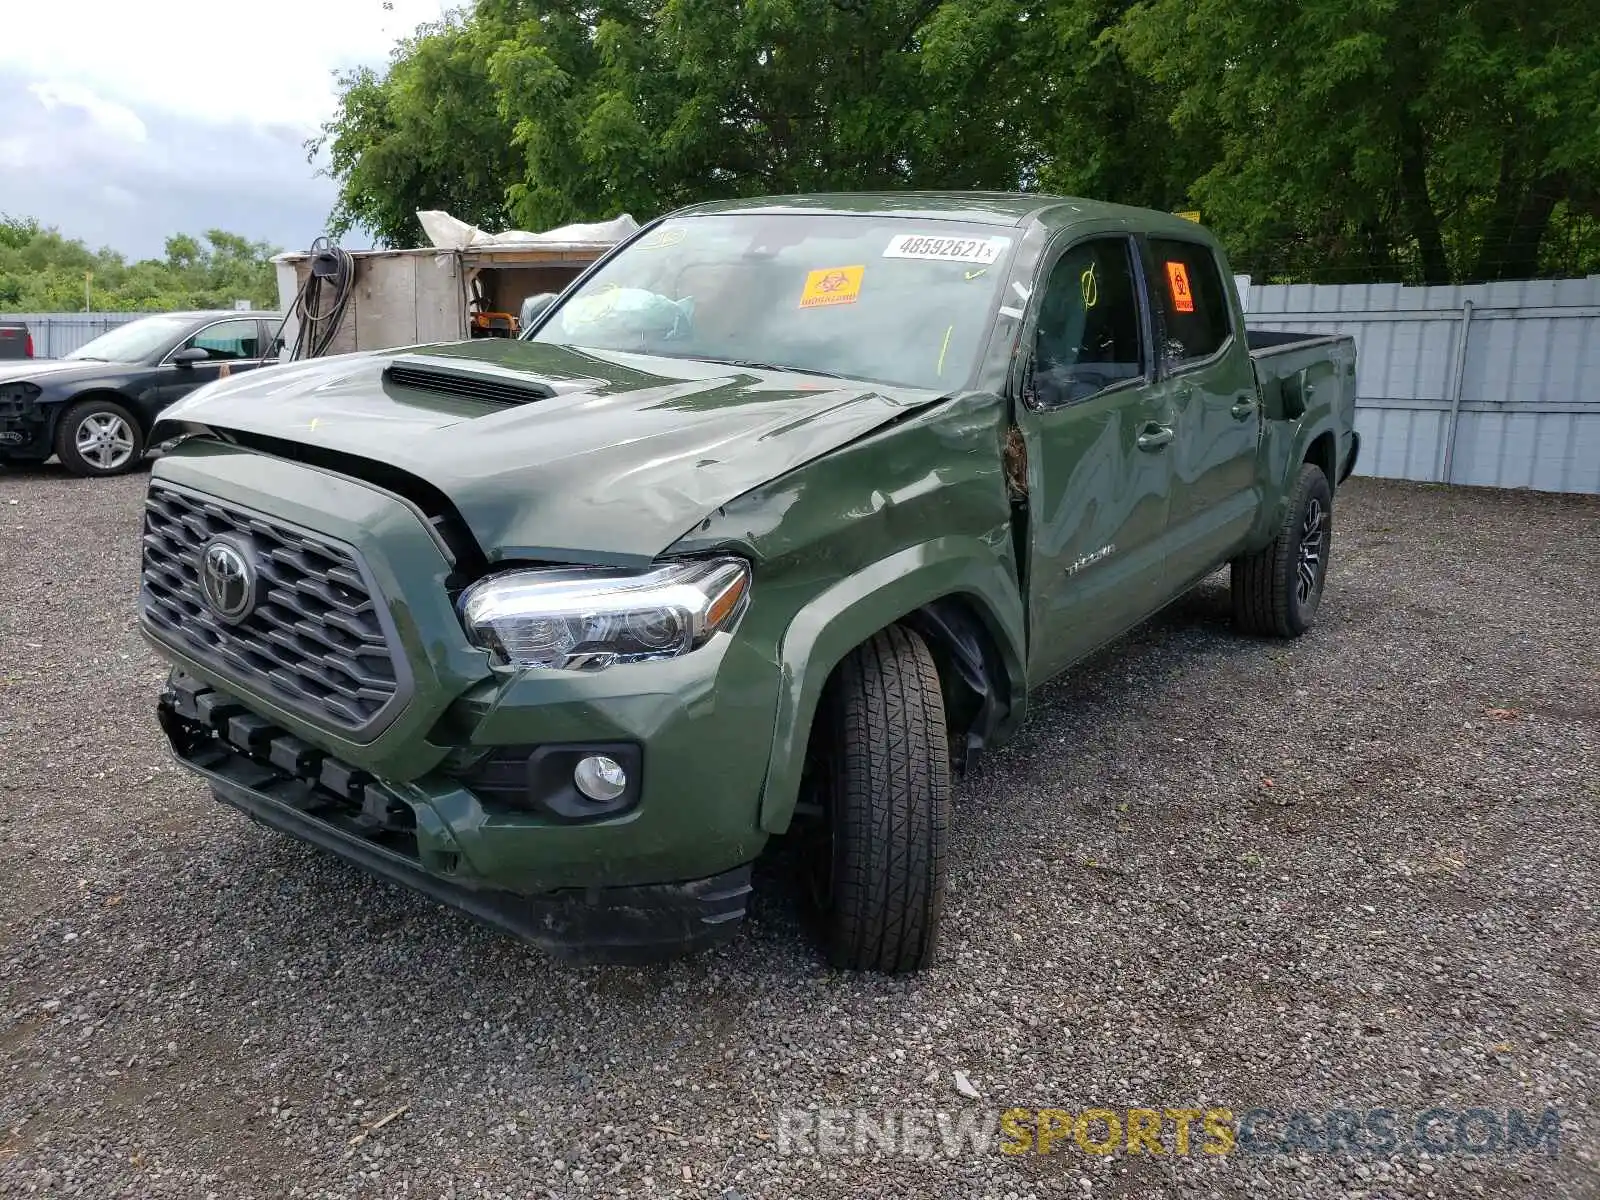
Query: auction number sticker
pixel 832 285
pixel 947 249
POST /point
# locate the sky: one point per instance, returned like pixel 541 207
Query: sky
pixel 125 121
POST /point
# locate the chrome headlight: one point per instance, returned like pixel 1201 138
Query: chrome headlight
pixel 587 618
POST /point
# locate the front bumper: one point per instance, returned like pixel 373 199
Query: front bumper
pixel 24 429
pixel 398 834
pixel 438 784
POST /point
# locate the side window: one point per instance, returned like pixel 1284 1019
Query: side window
pixel 229 339
pixel 1193 299
pixel 1089 335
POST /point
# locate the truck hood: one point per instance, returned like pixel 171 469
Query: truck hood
pixel 610 458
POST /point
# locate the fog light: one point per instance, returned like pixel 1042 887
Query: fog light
pixel 600 778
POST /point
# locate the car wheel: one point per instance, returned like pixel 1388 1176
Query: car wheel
pixel 886 794
pixel 1277 590
pixel 99 437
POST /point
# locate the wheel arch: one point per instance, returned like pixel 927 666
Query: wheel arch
pixel 98 392
pixel 959 596
pixel 1323 452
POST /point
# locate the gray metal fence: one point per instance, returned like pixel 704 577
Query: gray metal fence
pixel 55 334
pixel 1493 384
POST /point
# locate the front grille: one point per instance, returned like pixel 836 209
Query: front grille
pixel 314 641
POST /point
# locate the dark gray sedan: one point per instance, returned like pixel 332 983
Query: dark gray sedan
pixel 94 408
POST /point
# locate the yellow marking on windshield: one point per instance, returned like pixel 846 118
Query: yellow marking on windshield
pixel 979 271
pixel 662 238
pixel 945 347
pixel 1091 287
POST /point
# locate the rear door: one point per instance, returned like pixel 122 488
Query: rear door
pixel 1097 437
pixel 1209 385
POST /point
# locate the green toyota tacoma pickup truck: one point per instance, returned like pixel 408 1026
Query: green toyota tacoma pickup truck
pixel 769 523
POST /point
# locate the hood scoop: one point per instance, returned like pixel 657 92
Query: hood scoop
pixel 474 382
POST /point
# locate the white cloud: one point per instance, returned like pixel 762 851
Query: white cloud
pixel 117 120
pixel 125 121
pixel 218 63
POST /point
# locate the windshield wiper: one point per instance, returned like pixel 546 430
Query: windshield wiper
pixel 86 358
pixel 766 366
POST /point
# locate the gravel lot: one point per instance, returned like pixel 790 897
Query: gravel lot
pixel 1355 872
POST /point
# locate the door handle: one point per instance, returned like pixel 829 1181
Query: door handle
pixel 1243 407
pixel 1153 436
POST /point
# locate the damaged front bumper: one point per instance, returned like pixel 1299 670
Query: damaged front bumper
pixel 24 422
pixel 426 834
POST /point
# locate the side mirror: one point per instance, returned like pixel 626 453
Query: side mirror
pixel 189 356
pixel 533 308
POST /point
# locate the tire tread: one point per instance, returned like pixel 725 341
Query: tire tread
pixel 1262 584
pixel 890 791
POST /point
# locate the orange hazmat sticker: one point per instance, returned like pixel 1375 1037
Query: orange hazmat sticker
pixel 832 285
pixel 1178 282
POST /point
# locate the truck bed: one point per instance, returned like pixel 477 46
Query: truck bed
pixel 1299 371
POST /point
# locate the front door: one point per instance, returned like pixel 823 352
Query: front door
pixel 1208 381
pixel 235 344
pixel 1098 439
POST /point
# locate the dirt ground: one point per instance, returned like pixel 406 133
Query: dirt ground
pixel 1355 872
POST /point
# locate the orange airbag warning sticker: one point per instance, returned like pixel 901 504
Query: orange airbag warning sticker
pixel 832 285
pixel 1178 281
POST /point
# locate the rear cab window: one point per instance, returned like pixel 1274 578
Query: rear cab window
pixel 1192 298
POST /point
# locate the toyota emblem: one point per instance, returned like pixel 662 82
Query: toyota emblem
pixel 228 580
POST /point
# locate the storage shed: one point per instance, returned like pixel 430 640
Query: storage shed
pixel 430 294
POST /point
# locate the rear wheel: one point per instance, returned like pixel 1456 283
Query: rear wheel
pixel 886 784
pixel 99 437
pixel 1277 590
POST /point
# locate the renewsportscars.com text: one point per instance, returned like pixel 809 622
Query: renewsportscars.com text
pixel 1179 1132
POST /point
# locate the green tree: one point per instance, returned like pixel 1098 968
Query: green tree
pixel 1363 139
pixel 1324 140
pixel 428 133
pixel 42 271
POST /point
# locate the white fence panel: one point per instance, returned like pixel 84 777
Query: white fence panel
pixel 1493 384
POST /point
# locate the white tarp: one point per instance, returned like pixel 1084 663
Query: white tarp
pixel 447 233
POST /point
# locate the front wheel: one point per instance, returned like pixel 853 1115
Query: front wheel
pixel 886 767
pixel 1276 590
pixel 99 437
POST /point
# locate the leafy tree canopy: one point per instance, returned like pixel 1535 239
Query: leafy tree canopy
pixel 42 271
pixel 1324 140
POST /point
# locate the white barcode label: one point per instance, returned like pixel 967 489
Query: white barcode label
pixel 947 249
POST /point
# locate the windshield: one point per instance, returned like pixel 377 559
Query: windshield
pixel 884 299
pixel 133 342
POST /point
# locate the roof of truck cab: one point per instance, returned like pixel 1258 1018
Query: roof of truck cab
pixel 990 208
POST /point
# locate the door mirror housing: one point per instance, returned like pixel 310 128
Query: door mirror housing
pixel 188 356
